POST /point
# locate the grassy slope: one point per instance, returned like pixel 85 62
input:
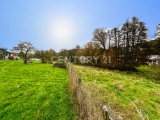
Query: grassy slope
pixel 129 95
pixel 33 91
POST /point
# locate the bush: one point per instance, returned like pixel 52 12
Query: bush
pixel 60 63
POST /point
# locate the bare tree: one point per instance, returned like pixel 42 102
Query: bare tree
pixel 158 31
pixel 100 37
pixel 91 48
pixel 109 32
pixel 134 34
pixel 24 49
pixel 116 41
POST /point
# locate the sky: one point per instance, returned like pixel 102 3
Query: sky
pixel 64 24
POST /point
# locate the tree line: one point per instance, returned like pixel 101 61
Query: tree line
pixel 26 51
pixel 122 48
pixel 127 46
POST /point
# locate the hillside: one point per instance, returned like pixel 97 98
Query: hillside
pixel 130 95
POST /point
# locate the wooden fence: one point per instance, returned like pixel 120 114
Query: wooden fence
pixel 88 108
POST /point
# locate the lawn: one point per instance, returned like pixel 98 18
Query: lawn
pixel 134 96
pixel 34 92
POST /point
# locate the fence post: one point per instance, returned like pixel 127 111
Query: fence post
pixel 108 114
pixel 85 104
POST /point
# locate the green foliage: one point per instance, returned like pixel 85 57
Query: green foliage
pixel 128 94
pixel 34 92
pixel 3 53
pixel 154 46
pixel 60 63
pixel 150 72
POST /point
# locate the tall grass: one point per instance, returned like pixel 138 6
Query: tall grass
pixel 130 95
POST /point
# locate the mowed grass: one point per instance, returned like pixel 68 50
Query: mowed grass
pixel 134 96
pixel 34 92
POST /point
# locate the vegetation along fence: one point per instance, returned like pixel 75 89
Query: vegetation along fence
pixel 89 108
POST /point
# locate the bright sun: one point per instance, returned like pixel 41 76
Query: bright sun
pixel 63 30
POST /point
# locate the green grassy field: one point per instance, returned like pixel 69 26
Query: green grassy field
pixel 134 96
pixel 34 92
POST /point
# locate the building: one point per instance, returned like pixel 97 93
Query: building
pixel 154 59
pixel 4 54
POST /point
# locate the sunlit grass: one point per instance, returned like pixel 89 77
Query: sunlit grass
pixel 34 91
pixel 130 95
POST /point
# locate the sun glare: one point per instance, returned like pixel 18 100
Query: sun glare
pixel 63 30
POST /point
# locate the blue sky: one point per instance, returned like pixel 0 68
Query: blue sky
pixel 65 23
